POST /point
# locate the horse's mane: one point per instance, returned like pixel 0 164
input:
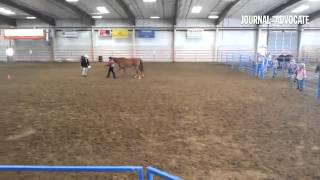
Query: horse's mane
pixel 118 58
pixel 124 58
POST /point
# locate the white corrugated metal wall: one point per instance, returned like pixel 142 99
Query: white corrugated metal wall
pixel 159 48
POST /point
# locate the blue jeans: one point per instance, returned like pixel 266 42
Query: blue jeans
pixel 260 71
pixel 253 70
pixel 301 85
pixel 274 72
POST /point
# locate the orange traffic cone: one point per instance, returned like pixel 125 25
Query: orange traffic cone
pixel 9 77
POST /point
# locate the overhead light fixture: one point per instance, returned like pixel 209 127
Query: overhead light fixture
pixel 196 9
pixel 6 11
pixel 149 0
pixel 31 17
pixel 300 9
pixel 314 0
pixel 103 10
pixel 72 0
pixel 213 17
pixel 154 17
pixel 97 17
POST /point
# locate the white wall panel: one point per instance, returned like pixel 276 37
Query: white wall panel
pixel 155 49
pixel 236 40
pixel 194 50
pixel 108 46
pixel 72 48
pixel 263 38
pixel 3 45
pixel 232 43
pixel 31 50
pixel 310 39
pixel 159 48
pixel 310 44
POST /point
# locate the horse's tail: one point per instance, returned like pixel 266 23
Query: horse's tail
pixel 141 65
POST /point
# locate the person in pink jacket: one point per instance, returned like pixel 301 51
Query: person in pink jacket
pixel 111 65
pixel 301 76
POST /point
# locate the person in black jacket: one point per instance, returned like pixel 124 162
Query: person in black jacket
pixel 318 68
pixel 84 65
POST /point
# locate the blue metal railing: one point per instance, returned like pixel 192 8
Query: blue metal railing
pixel 156 172
pixel 101 169
pixel 245 63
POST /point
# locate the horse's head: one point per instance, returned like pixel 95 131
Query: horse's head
pixel 113 59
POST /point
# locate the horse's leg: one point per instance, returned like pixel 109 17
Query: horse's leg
pixel 124 72
pixel 137 72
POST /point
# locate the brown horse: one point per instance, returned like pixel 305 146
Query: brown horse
pixel 125 63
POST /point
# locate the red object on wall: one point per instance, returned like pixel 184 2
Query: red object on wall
pixel 105 32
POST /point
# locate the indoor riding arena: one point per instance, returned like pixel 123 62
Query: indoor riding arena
pixel 159 90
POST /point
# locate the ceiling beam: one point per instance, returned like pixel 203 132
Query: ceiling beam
pixel 43 17
pixel 8 20
pixel 84 15
pixel 314 15
pixel 176 12
pixel 131 16
pixel 225 11
pixel 281 7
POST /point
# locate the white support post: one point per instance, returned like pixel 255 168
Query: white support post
pixel 11 45
pixel 93 44
pixel 174 45
pixel 300 29
pixel 256 43
pixel 216 44
pixel 134 42
pixel 52 43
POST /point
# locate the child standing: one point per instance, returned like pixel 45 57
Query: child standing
pixel 301 76
pixel 84 65
pixel 274 67
pixel 111 65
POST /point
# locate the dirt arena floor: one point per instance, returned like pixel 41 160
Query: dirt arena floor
pixel 197 121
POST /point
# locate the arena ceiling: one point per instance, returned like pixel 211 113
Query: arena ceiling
pixel 51 10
